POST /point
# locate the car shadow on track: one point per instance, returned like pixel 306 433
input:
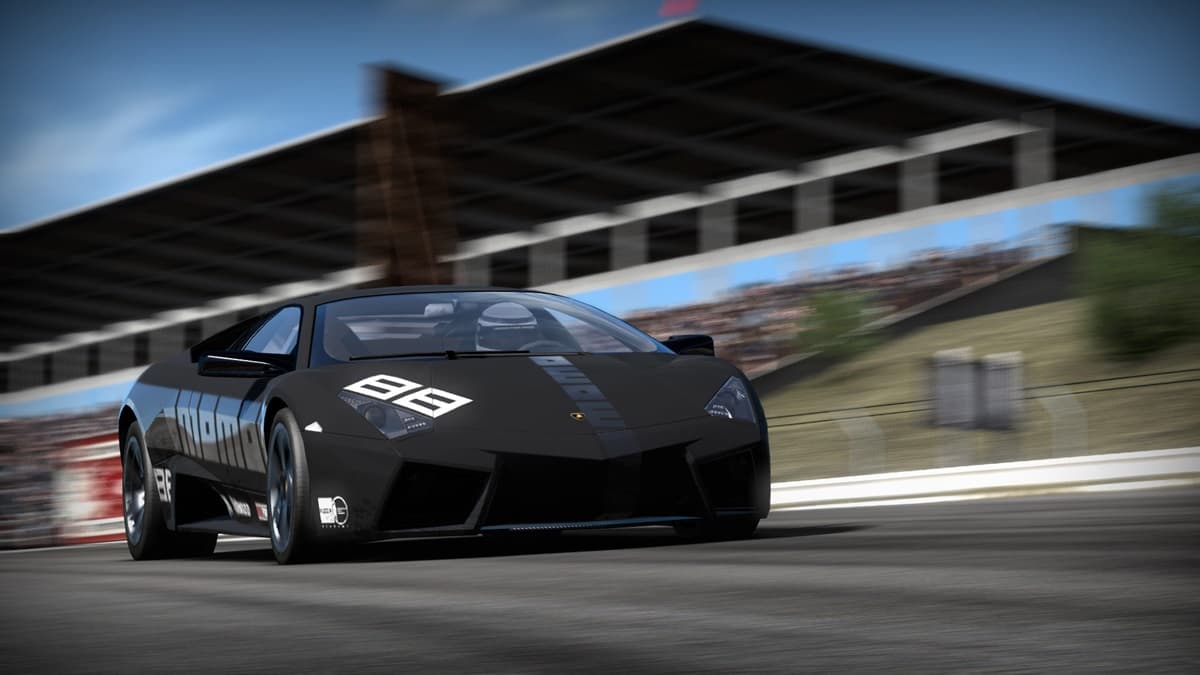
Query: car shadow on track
pixel 454 548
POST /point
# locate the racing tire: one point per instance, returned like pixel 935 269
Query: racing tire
pixel 288 498
pixel 718 529
pixel 146 531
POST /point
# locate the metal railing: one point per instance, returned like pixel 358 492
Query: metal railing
pixel 1064 404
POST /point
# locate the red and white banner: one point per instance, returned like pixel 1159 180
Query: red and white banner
pixel 88 492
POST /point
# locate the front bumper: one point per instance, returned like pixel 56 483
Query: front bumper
pixel 468 481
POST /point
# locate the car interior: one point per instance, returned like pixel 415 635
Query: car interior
pixel 432 327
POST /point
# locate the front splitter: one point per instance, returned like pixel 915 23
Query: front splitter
pixel 589 524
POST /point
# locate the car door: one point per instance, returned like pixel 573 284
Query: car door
pixel 225 431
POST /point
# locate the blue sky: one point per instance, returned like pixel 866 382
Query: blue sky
pixel 104 97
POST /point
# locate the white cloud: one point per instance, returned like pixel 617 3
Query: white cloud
pixel 128 143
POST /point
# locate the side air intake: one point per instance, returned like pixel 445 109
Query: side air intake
pixel 426 495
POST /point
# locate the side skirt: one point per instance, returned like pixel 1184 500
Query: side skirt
pixel 227 526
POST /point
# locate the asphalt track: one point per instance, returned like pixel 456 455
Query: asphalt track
pixel 1100 582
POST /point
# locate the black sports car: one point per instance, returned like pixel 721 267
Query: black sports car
pixel 414 411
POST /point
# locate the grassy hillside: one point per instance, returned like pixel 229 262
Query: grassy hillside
pixel 1148 412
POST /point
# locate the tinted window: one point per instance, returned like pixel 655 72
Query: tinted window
pixel 471 321
pixel 278 335
pixel 589 337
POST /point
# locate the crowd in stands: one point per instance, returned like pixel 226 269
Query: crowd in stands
pixel 758 326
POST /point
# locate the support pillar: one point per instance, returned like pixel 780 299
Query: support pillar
pixel 918 182
pixel 403 205
pixel 718 226
pixel 628 247
pixel 1035 150
pixel 547 262
pixel 814 205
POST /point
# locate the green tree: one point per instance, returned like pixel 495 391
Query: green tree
pixel 835 324
pixel 1177 211
pixel 1144 285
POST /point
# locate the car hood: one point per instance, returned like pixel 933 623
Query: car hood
pixel 548 393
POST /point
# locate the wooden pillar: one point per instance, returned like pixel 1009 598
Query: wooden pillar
pixel 403 214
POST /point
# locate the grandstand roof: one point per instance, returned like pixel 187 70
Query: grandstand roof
pixel 664 111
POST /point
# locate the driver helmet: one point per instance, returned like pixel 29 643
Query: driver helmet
pixel 505 326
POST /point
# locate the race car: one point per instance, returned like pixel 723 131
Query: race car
pixel 439 410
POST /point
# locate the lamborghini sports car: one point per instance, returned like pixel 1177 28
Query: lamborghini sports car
pixel 419 411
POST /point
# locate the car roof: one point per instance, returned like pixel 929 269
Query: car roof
pixel 345 294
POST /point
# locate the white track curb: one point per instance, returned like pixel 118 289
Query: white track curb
pixel 1151 468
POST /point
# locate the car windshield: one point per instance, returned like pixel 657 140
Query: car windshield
pixel 467 322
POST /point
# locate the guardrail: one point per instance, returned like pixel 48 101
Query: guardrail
pixel 1151 468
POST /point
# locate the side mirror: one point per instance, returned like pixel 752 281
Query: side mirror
pixel 695 345
pixel 241 364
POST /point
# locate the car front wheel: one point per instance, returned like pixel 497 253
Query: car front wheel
pixel 287 491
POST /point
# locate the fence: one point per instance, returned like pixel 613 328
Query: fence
pixel 901 435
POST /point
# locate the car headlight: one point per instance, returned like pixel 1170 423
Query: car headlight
pixel 388 419
pixel 732 402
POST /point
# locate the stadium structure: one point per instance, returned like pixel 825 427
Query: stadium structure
pixel 686 149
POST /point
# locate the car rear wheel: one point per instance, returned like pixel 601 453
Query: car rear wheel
pixel 287 491
pixel 146 530
pixel 718 529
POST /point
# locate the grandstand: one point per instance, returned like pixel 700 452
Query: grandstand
pixel 679 152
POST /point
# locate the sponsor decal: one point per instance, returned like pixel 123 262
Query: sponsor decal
pixel 408 395
pixel 236 507
pixel 261 510
pixel 333 511
pixel 593 406
pixel 325 510
pixel 341 512
pixel 219 429
pixel 162 480
pixel 241 509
